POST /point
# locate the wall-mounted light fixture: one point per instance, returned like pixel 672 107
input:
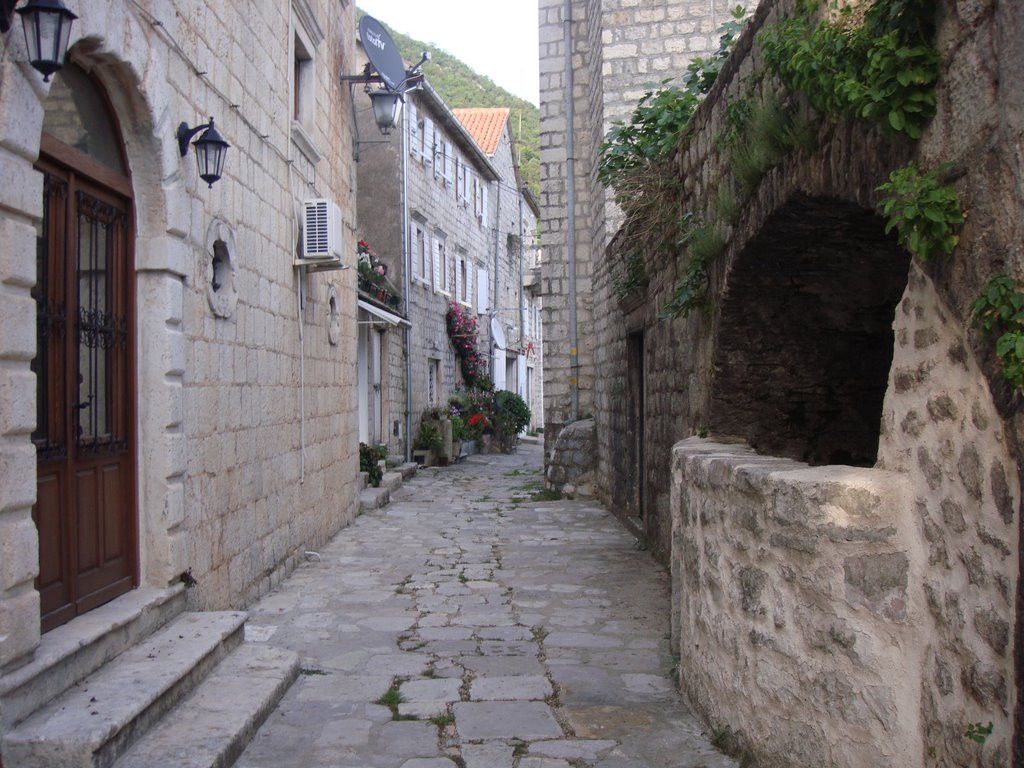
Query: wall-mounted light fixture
pixel 47 26
pixel 386 68
pixel 211 149
pixel 387 109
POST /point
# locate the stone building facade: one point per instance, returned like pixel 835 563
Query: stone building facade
pixel 469 229
pixel 176 381
pixel 619 50
pixel 516 363
pixel 437 245
pixel 845 541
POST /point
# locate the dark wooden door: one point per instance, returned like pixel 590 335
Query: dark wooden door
pixel 85 510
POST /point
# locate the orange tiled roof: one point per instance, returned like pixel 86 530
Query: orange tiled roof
pixel 484 125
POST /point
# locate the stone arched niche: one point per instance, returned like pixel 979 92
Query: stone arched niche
pixel 805 340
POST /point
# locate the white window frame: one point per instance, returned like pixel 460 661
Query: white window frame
pixel 306 36
pixel 483 290
pixel 419 243
pixel 449 162
pixel 427 147
pixel 440 264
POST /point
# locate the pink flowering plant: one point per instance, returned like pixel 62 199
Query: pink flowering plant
pixel 464 332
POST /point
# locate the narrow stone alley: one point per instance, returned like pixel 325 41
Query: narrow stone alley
pixel 466 624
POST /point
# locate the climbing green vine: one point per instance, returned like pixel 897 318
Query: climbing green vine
pixel 999 310
pixel 925 213
pixel 877 64
pixel 660 118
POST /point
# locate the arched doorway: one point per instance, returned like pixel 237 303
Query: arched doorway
pixel 805 339
pixel 84 365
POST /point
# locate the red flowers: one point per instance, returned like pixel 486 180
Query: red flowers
pixel 463 332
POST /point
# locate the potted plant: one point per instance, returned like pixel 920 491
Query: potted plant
pixel 428 443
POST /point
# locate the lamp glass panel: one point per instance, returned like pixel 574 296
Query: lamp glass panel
pixel 49 36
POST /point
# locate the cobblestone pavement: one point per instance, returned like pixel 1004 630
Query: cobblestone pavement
pixel 467 625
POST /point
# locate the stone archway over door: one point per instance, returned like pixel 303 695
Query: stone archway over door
pixel 85 434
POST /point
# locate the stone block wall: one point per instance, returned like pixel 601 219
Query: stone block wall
pixel 246 435
pixel 621 48
pixel 555 220
pixel 797 613
pixel 940 429
pixel 949 428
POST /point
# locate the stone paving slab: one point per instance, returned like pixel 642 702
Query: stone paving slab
pixel 539 627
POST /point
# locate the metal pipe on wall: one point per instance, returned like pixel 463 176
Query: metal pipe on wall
pixel 406 281
pixel 570 199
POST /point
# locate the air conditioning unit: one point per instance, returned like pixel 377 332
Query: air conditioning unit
pixel 321 235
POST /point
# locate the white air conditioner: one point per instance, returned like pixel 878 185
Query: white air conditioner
pixel 321 235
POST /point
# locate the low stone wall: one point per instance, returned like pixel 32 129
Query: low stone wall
pixel 573 457
pixel 798 606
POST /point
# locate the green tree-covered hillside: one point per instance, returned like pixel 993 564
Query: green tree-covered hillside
pixel 461 87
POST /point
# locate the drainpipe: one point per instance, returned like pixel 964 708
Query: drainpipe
pixel 497 269
pixel 406 282
pixel 570 197
pixel 522 304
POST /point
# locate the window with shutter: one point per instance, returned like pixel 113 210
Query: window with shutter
pixel 440 260
pixel 483 205
pixel 483 285
pixel 414 130
pixel 449 163
pixel 438 154
pixel 428 143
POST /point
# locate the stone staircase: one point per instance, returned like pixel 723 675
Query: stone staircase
pixel 371 498
pixel 141 682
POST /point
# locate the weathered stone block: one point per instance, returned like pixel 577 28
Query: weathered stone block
pixel 879 583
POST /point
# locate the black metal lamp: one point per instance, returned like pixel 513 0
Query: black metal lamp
pixel 387 108
pixel 47 25
pixel 211 149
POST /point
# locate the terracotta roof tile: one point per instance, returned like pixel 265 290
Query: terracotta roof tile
pixel 484 125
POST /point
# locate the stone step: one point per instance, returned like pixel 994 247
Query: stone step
pixel 77 649
pixel 95 721
pixel 391 480
pixel 373 498
pixel 212 726
pixel 407 469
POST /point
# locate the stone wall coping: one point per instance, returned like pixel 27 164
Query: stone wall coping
pixel 839 495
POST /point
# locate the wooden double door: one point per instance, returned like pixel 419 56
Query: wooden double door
pixel 85 434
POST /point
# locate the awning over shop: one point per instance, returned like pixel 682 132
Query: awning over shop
pixel 389 317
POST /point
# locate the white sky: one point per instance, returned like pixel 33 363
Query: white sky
pixel 496 39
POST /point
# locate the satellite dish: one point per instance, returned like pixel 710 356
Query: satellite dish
pixel 497 333
pixel 382 52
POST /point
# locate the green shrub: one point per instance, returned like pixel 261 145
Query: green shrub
pixel 369 458
pixel 511 413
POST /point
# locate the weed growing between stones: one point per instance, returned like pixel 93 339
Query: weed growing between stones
pixel 547 494
pixel 392 698
pixel 443 720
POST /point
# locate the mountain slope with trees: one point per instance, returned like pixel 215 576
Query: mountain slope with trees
pixel 461 87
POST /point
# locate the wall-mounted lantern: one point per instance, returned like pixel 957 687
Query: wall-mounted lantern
pixel 386 68
pixel 47 26
pixel 387 109
pixel 211 149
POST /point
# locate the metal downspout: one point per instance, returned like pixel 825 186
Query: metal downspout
pixel 497 270
pixel 570 198
pixel 522 303
pixel 406 283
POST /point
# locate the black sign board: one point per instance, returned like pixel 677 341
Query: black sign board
pixel 382 52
